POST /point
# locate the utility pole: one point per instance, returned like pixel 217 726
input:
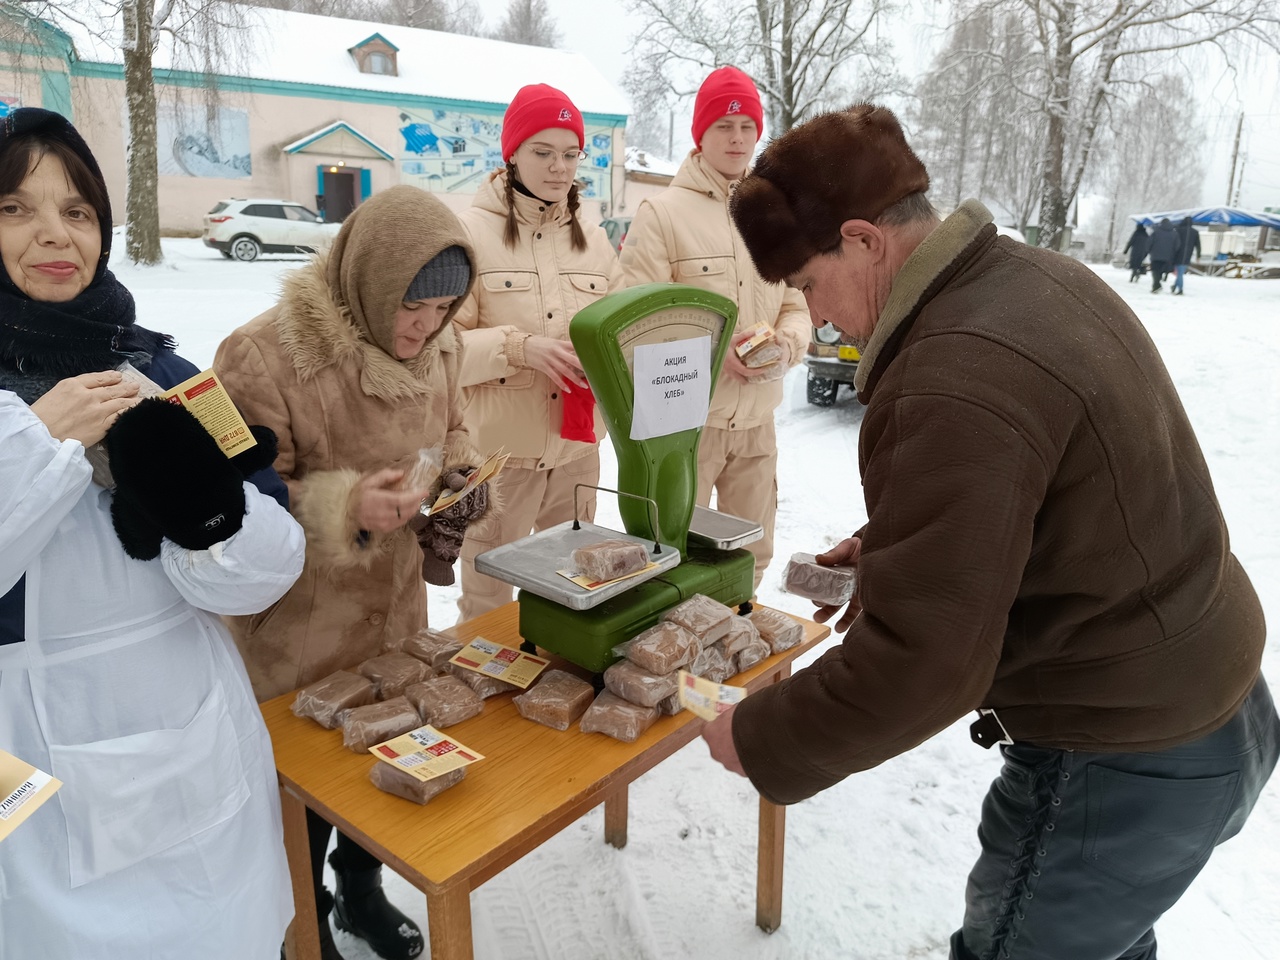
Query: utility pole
pixel 1235 152
pixel 1240 183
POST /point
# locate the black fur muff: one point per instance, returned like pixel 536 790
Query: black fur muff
pixel 173 480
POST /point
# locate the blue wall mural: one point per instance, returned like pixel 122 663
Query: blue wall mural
pixel 450 151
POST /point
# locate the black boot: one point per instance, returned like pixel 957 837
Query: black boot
pixel 362 909
pixel 328 949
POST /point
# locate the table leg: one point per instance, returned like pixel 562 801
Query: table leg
pixel 302 939
pixel 615 818
pixel 772 844
pixel 449 923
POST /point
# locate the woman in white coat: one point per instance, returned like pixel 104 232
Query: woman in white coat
pixel 115 675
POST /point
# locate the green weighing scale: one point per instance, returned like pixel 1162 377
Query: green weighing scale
pixel 676 337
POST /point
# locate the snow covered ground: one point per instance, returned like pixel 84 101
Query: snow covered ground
pixel 875 867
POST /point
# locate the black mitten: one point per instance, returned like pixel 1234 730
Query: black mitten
pixel 173 480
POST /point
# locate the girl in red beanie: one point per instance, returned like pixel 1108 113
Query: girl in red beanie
pixel 685 235
pixel 524 390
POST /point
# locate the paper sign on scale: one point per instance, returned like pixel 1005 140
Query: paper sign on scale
pixel 672 384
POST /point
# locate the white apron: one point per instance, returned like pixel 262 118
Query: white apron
pixel 164 842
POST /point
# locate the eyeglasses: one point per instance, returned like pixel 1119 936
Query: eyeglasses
pixel 571 158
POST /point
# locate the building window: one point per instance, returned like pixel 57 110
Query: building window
pixel 378 62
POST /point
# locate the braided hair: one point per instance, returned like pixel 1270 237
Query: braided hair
pixel 511 233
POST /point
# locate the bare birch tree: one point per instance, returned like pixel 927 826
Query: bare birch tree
pixel 804 55
pixel 198 34
pixel 1080 48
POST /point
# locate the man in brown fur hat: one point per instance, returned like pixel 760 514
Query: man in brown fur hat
pixel 1043 546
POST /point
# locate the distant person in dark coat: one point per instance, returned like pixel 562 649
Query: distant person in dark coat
pixel 1137 248
pixel 1164 249
pixel 1188 239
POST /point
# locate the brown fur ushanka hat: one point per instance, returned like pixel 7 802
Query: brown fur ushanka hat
pixel 848 165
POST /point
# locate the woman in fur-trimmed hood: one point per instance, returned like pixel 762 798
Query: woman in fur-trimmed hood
pixel 356 370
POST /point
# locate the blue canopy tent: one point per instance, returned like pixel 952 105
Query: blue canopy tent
pixel 1210 216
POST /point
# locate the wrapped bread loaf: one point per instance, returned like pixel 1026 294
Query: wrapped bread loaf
pixel 392 673
pixel 774 371
pixel 444 701
pixel 482 684
pixel 698 666
pixel 832 586
pixel 392 780
pixel 556 700
pixel 633 683
pixel 662 649
pixel 771 351
pixel 611 715
pixel 610 559
pixel 325 700
pixel 741 632
pixel 670 706
pixel 756 651
pixel 363 727
pixel 777 629
pixel 718 667
pixel 706 618
pixel 432 647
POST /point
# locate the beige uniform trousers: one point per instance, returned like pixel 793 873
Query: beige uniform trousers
pixel 742 467
pixel 531 500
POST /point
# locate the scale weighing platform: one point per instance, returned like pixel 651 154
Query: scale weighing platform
pixel 652 355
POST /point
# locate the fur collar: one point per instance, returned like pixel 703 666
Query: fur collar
pixel 317 333
pixel 918 279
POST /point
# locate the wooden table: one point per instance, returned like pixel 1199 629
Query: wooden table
pixel 534 782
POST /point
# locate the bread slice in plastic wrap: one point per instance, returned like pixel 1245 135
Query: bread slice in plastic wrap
pixel 777 629
pixel 393 673
pixel 326 699
pixel 717 667
pixel 444 701
pixel 805 577
pixel 741 632
pixel 611 715
pixel 662 649
pixel 756 651
pixel 670 706
pixel 432 647
pixel 363 727
pixel 631 682
pixel 390 780
pixel 482 684
pixel 610 559
pixel 556 700
pixel 706 618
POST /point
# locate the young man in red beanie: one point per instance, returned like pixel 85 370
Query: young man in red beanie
pixel 684 235
pixel 1043 546
pixel 537 264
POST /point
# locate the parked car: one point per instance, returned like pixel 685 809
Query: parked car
pixel 830 364
pixel 245 229
pixel 616 228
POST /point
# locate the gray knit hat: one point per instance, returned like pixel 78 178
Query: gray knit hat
pixel 447 274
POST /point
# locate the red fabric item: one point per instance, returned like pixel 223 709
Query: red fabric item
pixel 538 107
pixel 725 92
pixel 579 420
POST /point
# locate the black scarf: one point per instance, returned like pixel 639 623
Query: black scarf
pixel 41 342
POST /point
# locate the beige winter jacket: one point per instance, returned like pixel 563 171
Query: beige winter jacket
pixel 341 408
pixel 684 235
pixel 533 290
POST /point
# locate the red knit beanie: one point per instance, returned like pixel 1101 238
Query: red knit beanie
pixel 725 92
pixel 538 107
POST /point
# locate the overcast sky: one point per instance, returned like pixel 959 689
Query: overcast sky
pixel 602 30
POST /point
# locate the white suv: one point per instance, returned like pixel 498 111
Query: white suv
pixel 244 229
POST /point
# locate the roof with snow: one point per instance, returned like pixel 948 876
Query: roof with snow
pixel 300 48
pixel 641 161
